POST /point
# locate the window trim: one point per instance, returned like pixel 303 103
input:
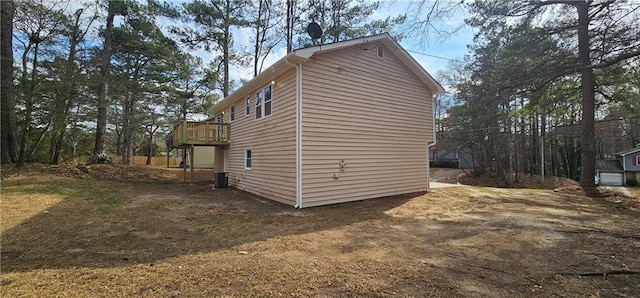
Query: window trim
pixel 261 94
pixel 264 101
pixel 259 106
pixel 232 113
pixel 248 156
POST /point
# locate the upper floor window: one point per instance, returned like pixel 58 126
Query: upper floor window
pixel 248 106
pixel 232 113
pixel 263 102
pixel 267 101
pixel 259 96
pixel 380 52
pixel 637 160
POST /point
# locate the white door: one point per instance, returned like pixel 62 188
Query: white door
pixel 611 179
pixel 226 160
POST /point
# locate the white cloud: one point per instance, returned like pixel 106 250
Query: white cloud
pixel 454 47
pixel 274 56
pixel 237 72
pixel 241 37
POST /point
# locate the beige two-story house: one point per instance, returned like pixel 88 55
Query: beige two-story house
pixel 328 124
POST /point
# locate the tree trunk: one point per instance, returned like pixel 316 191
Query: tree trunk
pixel 258 42
pixel 150 151
pixel 8 104
pixel 118 132
pixel 103 93
pixel 151 130
pixel 544 169
pixel 127 129
pixel 290 21
pixel 66 96
pixel 29 102
pixel 225 48
pixel 587 85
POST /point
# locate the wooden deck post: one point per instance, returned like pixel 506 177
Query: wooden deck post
pixel 183 128
pixel 189 134
pixel 191 151
pixel 184 164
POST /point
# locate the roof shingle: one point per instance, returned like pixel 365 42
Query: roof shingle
pixel 609 165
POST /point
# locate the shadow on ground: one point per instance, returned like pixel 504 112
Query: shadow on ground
pixel 162 221
pixel 451 242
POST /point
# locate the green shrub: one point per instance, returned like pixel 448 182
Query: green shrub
pixel 100 158
pixel 632 182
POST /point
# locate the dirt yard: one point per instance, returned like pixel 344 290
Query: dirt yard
pixel 121 232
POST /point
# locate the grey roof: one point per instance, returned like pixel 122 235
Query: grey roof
pixel 630 151
pixel 609 165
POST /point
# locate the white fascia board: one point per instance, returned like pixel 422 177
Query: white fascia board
pixel 630 151
pixel 310 51
pixel 414 66
pixel 261 79
pixel 304 54
pixel 388 41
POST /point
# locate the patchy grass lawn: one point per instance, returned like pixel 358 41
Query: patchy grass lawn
pixel 635 191
pixel 159 237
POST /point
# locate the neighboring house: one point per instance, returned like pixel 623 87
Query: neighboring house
pixel 327 124
pixel 466 158
pixel 444 149
pixel 616 172
pixel 609 172
pixel 630 161
pixel 449 150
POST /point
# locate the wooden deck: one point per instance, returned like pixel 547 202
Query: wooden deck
pixel 204 133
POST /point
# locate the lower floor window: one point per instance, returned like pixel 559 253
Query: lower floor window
pixel 247 159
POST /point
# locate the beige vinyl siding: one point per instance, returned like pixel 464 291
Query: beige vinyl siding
pixel 272 140
pixel 375 114
pixel 219 158
pixel 203 157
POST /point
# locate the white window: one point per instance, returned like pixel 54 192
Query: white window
pixel 247 159
pixel 380 52
pixel 232 113
pixel 248 106
pixel 259 96
pixel 267 101
pixel 637 160
pixel 263 102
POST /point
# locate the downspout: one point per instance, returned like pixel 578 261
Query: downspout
pixel 298 133
pixel 431 145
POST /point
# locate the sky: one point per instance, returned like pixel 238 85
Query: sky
pixel 433 53
pixel 428 52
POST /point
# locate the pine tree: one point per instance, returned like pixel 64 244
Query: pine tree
pixel 8 114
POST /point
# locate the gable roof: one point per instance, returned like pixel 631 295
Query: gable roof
pixel 630 151
pixel 609 165
pixel 303 54
pixel 390 43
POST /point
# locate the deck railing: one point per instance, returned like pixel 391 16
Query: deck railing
pixel 201 133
